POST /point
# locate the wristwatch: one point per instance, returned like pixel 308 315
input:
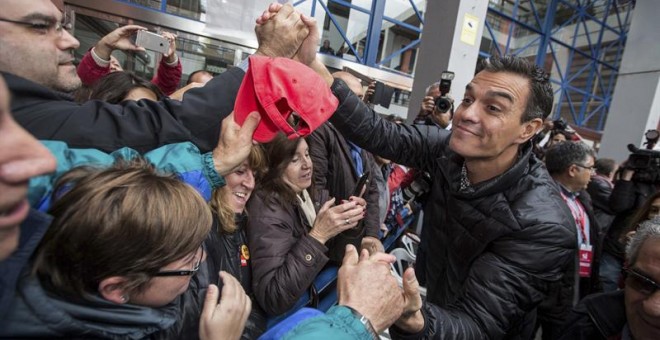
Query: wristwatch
pixel 365 321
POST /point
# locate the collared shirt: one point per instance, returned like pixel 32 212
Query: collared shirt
pixel 579 214
pixel 466 186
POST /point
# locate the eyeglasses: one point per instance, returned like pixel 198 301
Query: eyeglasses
pixel 43 25
pixel 590 168
pixel 185 272
pixel 641 283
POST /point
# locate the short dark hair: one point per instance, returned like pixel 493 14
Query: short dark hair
pixel 605 166
pixel 114 87
pixel 561 156
pixel 539 103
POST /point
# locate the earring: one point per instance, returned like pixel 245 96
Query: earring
pixel 124 299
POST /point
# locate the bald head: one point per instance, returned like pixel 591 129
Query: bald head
pixel 352 81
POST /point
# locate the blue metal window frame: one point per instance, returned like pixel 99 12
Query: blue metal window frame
pixel 594 52
pixel 376 17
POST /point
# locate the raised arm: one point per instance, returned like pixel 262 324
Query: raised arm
pixel 414 146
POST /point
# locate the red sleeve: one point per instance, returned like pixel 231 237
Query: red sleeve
pixel 399 177
pixel 167 77
pixel 89 71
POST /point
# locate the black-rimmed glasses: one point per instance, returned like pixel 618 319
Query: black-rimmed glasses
pixel 641 282
pixel 590 168
pixel 185 272
pixel 58 27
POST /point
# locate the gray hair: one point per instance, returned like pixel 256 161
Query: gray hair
pixel 434 85
pixel 646 230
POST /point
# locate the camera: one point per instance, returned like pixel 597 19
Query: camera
pixel 382 95
pixel 645 162
pixel 419 186
pixel 443 104
pixel 560 124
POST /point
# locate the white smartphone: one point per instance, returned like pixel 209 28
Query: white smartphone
pixel 152 41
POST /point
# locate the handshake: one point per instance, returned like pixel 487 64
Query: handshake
pixel 366 284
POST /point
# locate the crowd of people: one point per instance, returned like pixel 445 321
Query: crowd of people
pixel 130 208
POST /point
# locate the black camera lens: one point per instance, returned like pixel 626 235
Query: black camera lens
pixel 442 104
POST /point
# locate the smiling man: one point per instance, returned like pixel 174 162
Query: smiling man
pixel 631 313
pixel 498 236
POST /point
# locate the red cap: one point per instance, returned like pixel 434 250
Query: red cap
pixel 277 87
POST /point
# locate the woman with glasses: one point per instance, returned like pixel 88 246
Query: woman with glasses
pixel 289 226
pixel 227 243
pixel 118 260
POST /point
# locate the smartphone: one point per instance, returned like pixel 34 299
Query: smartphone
pixel 361 184
pixel 152 41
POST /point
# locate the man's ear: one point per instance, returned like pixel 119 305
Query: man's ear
pixel 112 289
pixel 529 129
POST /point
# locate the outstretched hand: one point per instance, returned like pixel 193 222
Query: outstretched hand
pixel 411 319
pixel 365 284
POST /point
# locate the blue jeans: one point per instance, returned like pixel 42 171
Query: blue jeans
pixel 610 272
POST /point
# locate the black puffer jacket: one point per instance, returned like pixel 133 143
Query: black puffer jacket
pixel 492 254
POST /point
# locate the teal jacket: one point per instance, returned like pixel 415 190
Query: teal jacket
pixel 338 323
pixel 182 159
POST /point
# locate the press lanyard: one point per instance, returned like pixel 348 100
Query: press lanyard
pixel 578 212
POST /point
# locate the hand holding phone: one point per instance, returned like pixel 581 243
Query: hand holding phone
pixel 152 41
pixel 361 185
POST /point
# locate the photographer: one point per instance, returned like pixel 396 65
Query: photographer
pixel 437 106
pixel 637 180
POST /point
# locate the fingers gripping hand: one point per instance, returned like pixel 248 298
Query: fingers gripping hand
pixel 366 285
pixel 411 319
pixel 280 34
pixel 306 54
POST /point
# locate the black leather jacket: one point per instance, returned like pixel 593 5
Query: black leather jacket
pixel 493 253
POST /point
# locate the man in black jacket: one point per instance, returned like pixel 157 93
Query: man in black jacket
pixel 36 60
pixel 338 164
pixel 498 236
pixel 571 165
